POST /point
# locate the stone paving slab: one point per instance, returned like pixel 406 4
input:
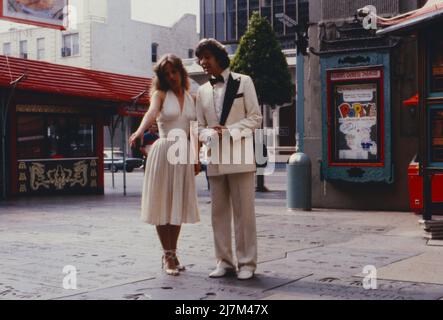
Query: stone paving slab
pixel 306 255
pixel 414 245
pixel 190 286
pixel 424 268
pixel 349 288
pixel 435 243
pixel 332 261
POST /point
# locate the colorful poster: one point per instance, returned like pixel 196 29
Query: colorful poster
pixel 356 122
pixel 38 12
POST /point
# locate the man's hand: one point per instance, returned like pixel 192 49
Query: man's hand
pixel 219 129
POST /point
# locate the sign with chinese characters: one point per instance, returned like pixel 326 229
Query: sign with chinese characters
pixel 68 176
pixel 49 13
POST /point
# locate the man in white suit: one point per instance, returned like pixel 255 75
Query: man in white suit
pixel 228 112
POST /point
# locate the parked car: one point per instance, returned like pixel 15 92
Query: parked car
pixel 131 163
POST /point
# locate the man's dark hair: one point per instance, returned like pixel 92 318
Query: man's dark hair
pixel 216 48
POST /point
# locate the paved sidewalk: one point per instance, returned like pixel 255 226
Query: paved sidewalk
pixel 302 255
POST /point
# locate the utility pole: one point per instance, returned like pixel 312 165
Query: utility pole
pixel 299 164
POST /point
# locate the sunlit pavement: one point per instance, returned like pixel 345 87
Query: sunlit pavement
pixel 100 242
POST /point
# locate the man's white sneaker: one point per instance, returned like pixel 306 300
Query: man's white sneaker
pixel 245 274
pixel 221 272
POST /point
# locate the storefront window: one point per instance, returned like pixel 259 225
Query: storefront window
pixel 356 122
pixel 55 136
pixel 437 66
pixel 31 140
pixel 437 136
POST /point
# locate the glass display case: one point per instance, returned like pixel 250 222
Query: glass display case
pixel 355 116
pixel 357 141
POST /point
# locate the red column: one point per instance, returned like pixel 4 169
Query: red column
pixel 13 165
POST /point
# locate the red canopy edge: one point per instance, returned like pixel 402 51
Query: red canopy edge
pixel 72 81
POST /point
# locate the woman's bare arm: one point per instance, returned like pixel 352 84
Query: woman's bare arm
pixel 149 118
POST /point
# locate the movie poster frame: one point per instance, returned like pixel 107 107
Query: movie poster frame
pixel 36 22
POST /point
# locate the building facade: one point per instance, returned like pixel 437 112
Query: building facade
pixel 358 134
pixel 227 21
pixel 102 36
pixel 52 119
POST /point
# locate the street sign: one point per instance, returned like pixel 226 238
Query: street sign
pixel 288 21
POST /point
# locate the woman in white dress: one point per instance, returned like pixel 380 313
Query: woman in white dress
pixel 169 196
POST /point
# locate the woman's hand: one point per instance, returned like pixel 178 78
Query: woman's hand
pixel 197 168
pixel 134 137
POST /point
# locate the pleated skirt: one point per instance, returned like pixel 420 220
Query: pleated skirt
pixel 169 192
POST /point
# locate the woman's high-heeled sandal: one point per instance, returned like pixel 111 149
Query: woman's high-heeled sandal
pixel 169 255
pixel 179 266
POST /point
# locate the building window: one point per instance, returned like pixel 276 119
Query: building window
pixel 291 11
pixel 209 18
pixel 254 6
pixel 154 52
pixel 71 45
pixel 227 20
pixel 231 20
pixel 266 10
pixel 220 19
pixel 7 49
pixel 54 136
pixel 277 24
pixel 242 17
pixel 191 53
pixel 24 49
pixel 40 48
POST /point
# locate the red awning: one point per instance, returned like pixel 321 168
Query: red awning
pixel 412 101
pixel 70 81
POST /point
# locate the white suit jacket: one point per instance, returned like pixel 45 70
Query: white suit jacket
pixel 241 115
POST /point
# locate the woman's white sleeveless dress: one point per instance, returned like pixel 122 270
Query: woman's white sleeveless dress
pixel 169 193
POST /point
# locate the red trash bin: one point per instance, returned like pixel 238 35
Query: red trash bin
pixel 415 183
